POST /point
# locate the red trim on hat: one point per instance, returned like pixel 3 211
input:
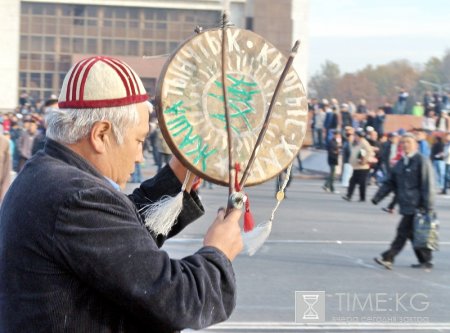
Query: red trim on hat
pixel 77 76
pixel 84 78
pixel 127 72
pixel 82 68
pixel 131 76
pixel 105 103
pixel 70 81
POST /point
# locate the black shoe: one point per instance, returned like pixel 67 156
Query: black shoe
pixel 425 265
pixel 386 264
pixel 346 198
pixel 326 189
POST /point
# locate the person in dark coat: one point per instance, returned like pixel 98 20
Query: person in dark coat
pixel 77 253
pixel 391 153
pixel 333 161
pixel 413 183
pixel 346 116
pixel 330 124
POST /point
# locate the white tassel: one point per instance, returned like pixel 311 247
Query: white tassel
pixel 160 216
pixel 254 239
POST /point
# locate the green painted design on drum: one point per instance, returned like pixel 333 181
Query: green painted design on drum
pixel 182 126
pixel 241 92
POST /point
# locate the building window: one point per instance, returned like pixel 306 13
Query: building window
pixel 92 11
pixel 35 80
pixel 78 46
pixel 49 44
pixel 119 47
pixel 36 44
pixel 48 80
pixel 23 61
pixel 133 48
pixel 66 10
pixel 51 32
pixel 133 13
pixel 107 46
pixel 121 13
pixel 49 9
pixel 160 48
pixel 22 80
pixel 108 12
pixel 37 9
pixel 49 62
pixel 24 47
pixel 92 46
pixel 65 45
pixel 148 48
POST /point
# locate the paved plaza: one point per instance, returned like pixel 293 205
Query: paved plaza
pixel 324 246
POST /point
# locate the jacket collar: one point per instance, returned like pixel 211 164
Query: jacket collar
pixel 67 155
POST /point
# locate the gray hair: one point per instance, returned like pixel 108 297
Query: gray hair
pixel 68 126
pixel 409 135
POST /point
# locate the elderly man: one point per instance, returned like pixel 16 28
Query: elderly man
pixel 412 181
pixel 76 255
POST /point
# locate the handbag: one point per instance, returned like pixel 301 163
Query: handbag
pixel 426 227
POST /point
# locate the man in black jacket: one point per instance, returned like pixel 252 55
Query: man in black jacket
pixel 413 183
pixel 333 160
pixel 76 255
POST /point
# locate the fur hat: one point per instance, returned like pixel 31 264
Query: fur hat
pixel 101 82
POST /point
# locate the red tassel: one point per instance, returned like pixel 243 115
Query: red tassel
pixel 249 223
pixel 237 168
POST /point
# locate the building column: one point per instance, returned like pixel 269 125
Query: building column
pixel 300 30
pixel 9 63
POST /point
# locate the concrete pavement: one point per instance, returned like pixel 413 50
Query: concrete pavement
pixel 321 243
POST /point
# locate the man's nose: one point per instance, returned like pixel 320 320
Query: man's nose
pixel 140 156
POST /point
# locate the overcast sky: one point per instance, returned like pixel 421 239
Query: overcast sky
pixel 355 33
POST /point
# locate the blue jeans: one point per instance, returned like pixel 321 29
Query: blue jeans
pixel 447 178
pixel 439 169
pixel 318 138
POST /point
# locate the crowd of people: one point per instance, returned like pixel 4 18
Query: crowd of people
pixel 355 137
pixel 414 164
pixel 23 132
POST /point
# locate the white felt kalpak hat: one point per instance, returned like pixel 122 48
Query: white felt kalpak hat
pixel 101 82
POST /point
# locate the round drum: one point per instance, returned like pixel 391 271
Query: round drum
pixel 190 105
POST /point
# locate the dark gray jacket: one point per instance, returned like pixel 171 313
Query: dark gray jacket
pixel 413 184
pixel 76 256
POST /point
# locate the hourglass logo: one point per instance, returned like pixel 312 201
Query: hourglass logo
pixel 309 306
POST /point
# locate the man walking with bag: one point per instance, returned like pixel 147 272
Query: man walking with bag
pixel 412 181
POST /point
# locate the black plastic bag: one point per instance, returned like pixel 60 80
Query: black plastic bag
pixel 426 227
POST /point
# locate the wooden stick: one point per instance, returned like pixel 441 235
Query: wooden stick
pixel 189 181
pixel 225 102
pixel 269 114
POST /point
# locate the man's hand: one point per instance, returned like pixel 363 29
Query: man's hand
pixel 225 233
pixel 178 169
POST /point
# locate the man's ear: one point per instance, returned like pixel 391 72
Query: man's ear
pixel 100 136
